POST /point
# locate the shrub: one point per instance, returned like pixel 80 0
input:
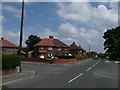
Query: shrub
pixel 78 57
pixel 10 61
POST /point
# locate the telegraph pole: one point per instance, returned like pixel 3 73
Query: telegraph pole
pixel 21 27
pixel 89 51
pixel 21 30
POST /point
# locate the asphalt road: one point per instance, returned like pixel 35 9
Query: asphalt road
pixel 96 73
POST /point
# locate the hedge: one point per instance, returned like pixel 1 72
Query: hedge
pixel 78 57
pixel 64 57
pixel 10 61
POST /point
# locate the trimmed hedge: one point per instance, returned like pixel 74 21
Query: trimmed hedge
pixel 10 61
pixel 78 57
pixel 64 57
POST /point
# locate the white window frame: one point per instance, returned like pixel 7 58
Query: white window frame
pixel 50 48
pixel 41 48
pixel 59 48
pixel 50 55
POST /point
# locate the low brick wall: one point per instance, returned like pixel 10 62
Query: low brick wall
pixel 55 61
pixel 8 72
pixel 63 61
pixel 34 59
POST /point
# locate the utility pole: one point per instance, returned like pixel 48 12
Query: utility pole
pixel 21 30
pixel 21 27
pixel 89 51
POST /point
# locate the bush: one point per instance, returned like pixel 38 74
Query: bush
pixel 64 57
pixel 10 61
pixel 78 57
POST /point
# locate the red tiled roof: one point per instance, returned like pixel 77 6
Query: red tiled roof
pixel 74 46
pixel 6 43
pixel 51 42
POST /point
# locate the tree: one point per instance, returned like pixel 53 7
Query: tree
pixel 93 53
pixel 32 40
pixel 112 43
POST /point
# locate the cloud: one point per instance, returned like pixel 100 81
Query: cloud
pixel 2 19
pixel 67 29
pixel 70 33
pixel 48 32
pixel 10 34
pixel 16 12
pixel 84 13
pixel 86 24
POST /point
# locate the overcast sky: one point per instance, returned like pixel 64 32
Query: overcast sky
pixel 80 22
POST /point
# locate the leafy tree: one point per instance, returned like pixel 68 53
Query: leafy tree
pixel 93 53
pixel 112 43
pixel 32 40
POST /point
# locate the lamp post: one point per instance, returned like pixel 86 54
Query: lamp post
pixel 21 31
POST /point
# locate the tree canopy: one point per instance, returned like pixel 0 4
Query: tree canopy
pixel 112 43
pixel 31 41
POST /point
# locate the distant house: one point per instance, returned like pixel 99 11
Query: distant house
pixel 7 47
pixel 76 50
pixel 50 47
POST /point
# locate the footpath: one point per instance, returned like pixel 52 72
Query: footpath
pixel 7 79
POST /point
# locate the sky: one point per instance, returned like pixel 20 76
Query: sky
pixel 80 22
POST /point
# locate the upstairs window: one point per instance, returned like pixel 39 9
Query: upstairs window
pixel 50 48
pixel 41 47
pixel 59 49
pixel 66 49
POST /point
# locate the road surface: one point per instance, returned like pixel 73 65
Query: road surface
pixel 93 73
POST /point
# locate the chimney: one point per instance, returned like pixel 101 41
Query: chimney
pixel 2 38
pixel 73 42
pixel 80 46
pixel 50 37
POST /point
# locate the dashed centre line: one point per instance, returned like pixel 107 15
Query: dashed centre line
pixel 75 77
pixel 88 68
pixel 82 73
pixel 93 65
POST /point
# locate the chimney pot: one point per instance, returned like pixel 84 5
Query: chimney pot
pixel 50 37
pixel 2 38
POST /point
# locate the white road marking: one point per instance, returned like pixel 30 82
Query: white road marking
pixel 82 73
pixel 97 62
pixel 32 77
pixel 75 77
pixel 93 65
pixel 107 61
pixel 88 69
pixel 12 81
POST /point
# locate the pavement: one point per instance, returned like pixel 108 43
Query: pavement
pixel 25 73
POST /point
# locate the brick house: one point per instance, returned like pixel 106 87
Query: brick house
pixel 76 50
pixel 50 47
pixel 7 47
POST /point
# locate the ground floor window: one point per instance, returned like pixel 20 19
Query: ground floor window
pixel 49 54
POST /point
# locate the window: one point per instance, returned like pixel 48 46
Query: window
pixel 66 49
pixel 80 51
pixel 49 54
pixel 41 47
pixel 49 48
pixel 59 49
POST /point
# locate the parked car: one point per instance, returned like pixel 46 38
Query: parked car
pixel 107 57
pixel 95 57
